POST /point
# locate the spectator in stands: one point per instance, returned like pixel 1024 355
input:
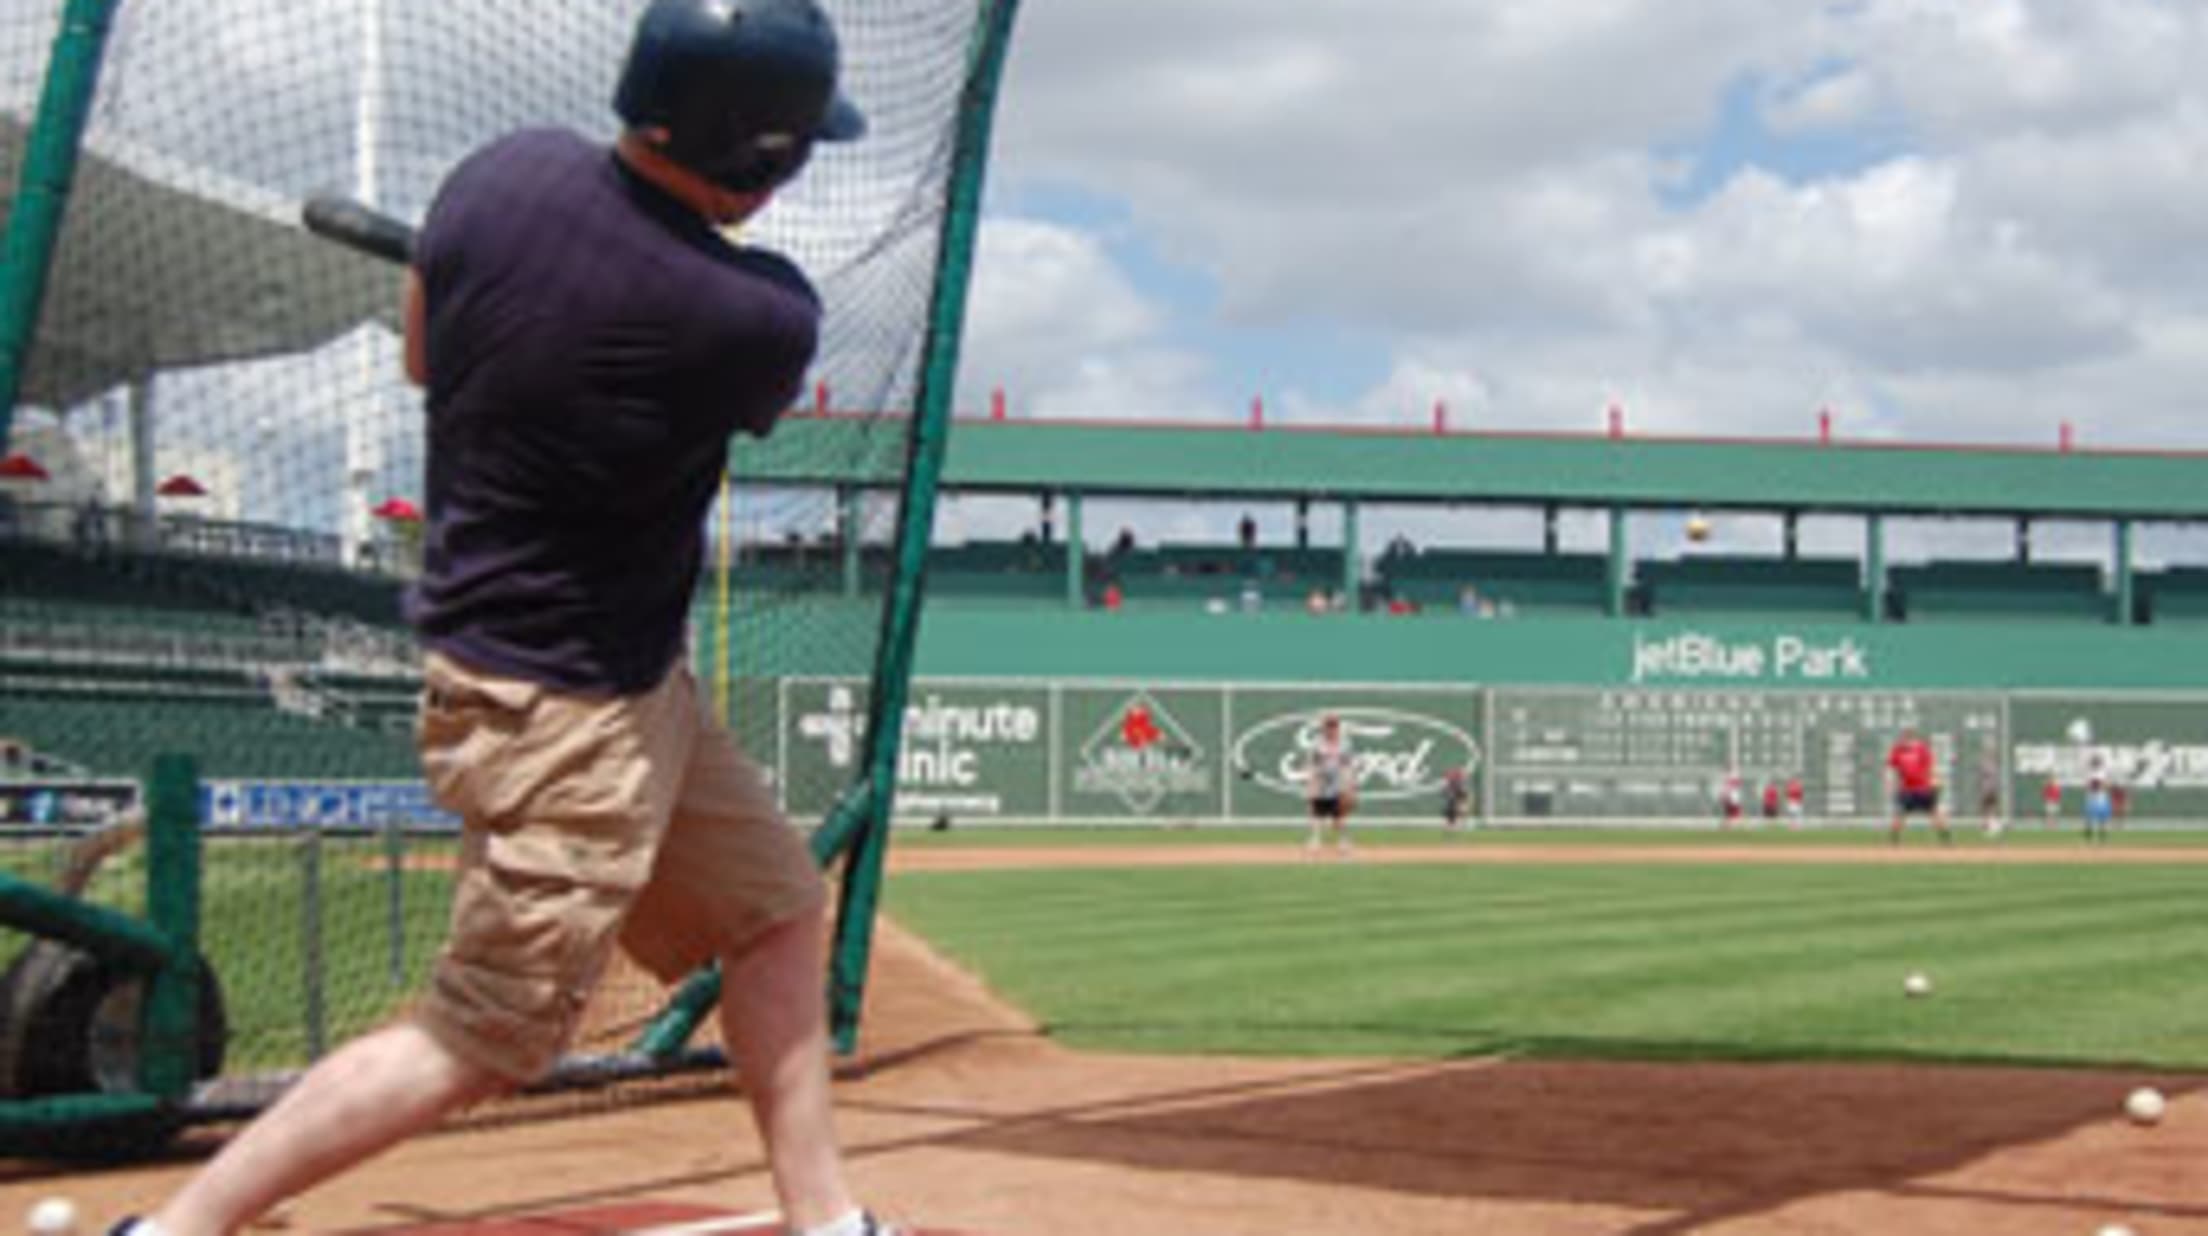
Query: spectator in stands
pixel 15 757
pixel 580 403
pixel 1317 602
pixel 1246 531
pixel 1468 601
pixel 1124 543
pixel 1113 597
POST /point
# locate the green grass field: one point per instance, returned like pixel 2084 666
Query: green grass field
pixel 2050 963
pixel 2041 964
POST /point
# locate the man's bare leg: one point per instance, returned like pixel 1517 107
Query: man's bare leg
pixel 776 1029
pixel 370 1094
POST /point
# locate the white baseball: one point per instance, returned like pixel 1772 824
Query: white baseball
pixel 55 1216
pixel 1916 985
pixel 2145 1105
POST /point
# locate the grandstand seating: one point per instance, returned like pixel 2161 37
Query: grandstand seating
pixel 112 720
pixel 1737 586
pixel 2007 590
pixel 1506 581
pixel 2177 595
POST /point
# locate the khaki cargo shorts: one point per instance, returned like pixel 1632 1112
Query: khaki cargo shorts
pixel 590 822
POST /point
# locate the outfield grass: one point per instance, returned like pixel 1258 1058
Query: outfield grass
pixel 2042 964
pixel 2029 836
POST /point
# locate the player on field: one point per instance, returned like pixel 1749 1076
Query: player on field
pixel 1456 797
pixel 1330 788
pixel 589 342
pixel 2100 797
pixel 1913 773
pixel 1989 789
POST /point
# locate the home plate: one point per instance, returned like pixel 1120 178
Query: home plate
pixel 630 1219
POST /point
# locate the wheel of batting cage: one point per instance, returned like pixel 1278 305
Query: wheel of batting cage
pixel 71 1023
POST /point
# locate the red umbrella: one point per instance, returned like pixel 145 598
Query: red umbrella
pixel 398 510
pixel 182 485
pixel 21 467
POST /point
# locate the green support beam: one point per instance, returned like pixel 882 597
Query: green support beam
pixel 42 189
pixel 1353 571
pixel 1874 568
pixel 1077 553
pixel 2126 583
pixel 1618 570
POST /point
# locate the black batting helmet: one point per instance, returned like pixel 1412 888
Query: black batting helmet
pixel 743 87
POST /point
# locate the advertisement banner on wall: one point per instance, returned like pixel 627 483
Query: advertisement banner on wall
pixel 43 804
pixel 970 750
pixel 1145 753
pixel 2152 748
pixel 1402 745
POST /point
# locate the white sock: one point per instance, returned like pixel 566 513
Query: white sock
pixel 853 1223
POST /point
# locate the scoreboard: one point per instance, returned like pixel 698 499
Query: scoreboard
pixel 1661 755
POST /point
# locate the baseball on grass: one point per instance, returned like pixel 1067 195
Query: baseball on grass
pixel 1917 984
pixel 56 1216
pixel 2144 1105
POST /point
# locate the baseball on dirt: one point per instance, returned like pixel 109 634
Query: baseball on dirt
pixel 2145 1105
pixel 1917 984
pixel 55 1216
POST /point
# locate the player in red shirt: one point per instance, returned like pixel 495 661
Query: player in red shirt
pixel 1794 802
pixel 1915 775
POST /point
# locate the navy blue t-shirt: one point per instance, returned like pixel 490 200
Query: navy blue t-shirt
pixel 592 344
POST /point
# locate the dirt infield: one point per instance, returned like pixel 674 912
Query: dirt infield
pixel 960 1114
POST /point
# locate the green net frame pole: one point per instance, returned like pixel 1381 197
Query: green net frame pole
pixel 165 945
pixel 167 1065
pixel 42 188
pixel 857 828
pixel 860 893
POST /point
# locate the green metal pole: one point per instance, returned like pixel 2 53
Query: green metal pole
pixel 1619 567
pixel 1352 569
pixel 1076 554
pixel 42 188
pixel 847 523
pixel 2125 577
pixel 860 893
pixel 1874 567
pixel 167 1064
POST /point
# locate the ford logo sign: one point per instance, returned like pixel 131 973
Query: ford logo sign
pixel 1393 754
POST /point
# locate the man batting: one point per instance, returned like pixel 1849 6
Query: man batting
pixel 589 342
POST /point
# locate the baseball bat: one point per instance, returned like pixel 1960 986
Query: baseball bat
pixel 358 228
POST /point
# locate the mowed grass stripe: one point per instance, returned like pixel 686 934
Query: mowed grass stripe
pixel 2078 964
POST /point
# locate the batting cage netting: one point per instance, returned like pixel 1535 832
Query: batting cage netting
pixel 211 501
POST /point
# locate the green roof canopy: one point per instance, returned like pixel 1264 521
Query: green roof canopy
pixel 1137 460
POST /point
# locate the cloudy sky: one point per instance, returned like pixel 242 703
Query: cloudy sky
pixel 1944 221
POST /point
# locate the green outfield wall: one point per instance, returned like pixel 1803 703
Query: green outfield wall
pixel 1030 714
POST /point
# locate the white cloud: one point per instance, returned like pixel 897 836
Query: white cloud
pixel 1484 188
